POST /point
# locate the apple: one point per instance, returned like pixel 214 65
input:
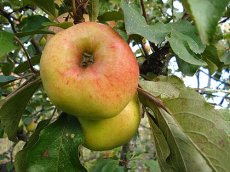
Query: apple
pixel 89 71
pixel 112 132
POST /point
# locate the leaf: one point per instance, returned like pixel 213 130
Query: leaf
pixel 12 107
pixel 41 31
pixel 7 68
pixel 186 68
pixel 63 25
pixel 201 123
pixel 152 165
pixel 182 50
pixel 93 10
pixel 53 147
pixel 183 154
pixel 111 16
pixel 162 147
pixel 136 24
pixel 105 165
pixel 7 43
pixel 161 89
pixel 181 35
pixel 33 23
pixel 6 79
pixel 22 67
pixel 47 5
pixel 206 15
pixel 226 116
pixel 212 58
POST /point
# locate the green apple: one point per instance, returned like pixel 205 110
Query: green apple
pixel 89 71
pixel 112 132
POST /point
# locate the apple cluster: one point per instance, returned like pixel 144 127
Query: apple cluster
pixel 90 72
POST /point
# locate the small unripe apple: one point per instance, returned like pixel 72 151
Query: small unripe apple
pixel 112 132
pixel 89 71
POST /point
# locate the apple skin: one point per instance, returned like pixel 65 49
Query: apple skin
pixel 100 90
pixel 113 132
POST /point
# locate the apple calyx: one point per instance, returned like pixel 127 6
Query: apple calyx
pixel 87 59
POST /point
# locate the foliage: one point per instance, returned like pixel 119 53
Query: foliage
pixel 189 134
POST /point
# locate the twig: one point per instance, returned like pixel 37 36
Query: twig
pixel 215 78
pixel 172 11
pixel 224 20
pixel 74 9
pixel 26 53
pixel 123 157
pixel 222 100
pixel 212 90
pixel 143 9
pixel 36 46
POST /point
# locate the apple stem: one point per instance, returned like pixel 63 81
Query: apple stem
pixel 87 59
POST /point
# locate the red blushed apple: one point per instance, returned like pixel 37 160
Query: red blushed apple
pixel 89 71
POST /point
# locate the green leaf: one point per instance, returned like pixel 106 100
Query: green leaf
pixel 6 79
pixel 7 43
pixel 63 25
pixel 186 68
pixel 200 122
pixel 105 165
pixel 226 116
pixel 162 147
pixel 53 148
pixel 93 10
pixel 111 16
pixel 12 107
pixel 212 58
pixel 181 48
pixel 22 67
pixel 206 15
pixel 40 31
pixel 136 24
pixel 32 23
pixel 183 39
pixel 47 5
pixel 183 154
pixel 7 68
pixel 152 165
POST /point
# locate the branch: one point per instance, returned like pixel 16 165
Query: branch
pixel 27 55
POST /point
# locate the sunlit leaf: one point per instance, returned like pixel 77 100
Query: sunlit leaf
pixel 200 122
pixel 183 154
